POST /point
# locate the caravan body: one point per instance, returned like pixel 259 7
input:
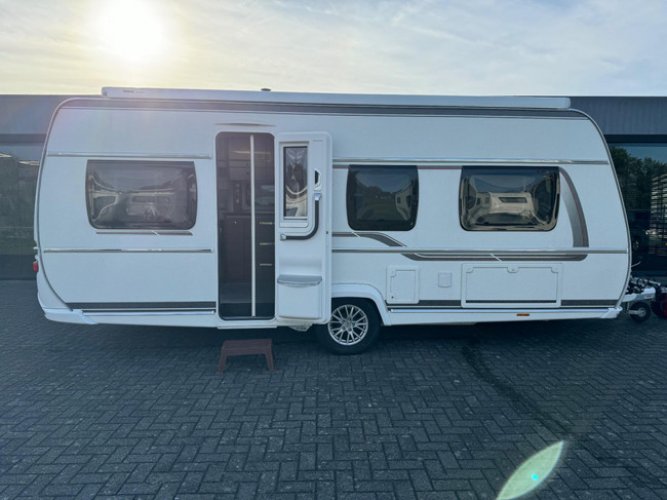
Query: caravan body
pixel 262 209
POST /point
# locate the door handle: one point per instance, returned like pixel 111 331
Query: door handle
pixel 299 280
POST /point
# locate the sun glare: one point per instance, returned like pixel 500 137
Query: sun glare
pixel 131 30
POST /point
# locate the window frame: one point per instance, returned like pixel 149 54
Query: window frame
pixel 350 204
pixel 92 163
pixel 468 171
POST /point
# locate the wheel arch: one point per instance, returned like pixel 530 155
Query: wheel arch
pixel 359 291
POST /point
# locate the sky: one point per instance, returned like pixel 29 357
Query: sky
pixel 455 47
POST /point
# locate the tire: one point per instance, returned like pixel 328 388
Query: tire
pixel 640 312
pixel 358 334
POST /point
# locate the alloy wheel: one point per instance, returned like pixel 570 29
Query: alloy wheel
pixel 348 324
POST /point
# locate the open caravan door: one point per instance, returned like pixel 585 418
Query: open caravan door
pixel 303 222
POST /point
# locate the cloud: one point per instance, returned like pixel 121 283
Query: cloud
pixel 417 46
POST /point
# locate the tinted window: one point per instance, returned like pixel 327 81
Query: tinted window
pixel 141 194
pixel 514 199
pixel 642 175
pixel 382 198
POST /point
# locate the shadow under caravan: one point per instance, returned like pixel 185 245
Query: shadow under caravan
pixel 246 210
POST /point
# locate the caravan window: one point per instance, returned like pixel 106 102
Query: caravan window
pixel 141 194
pixel 382 198
pixel 509 198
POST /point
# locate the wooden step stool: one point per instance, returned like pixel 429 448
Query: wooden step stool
pixel 246 348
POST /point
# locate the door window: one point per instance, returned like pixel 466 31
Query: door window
pixel 295 182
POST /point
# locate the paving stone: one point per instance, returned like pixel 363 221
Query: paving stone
pixel 437 412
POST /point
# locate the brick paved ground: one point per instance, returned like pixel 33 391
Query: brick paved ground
pixel 16 267
pixel 431 413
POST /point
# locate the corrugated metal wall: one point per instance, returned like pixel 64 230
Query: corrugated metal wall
pixel 626 115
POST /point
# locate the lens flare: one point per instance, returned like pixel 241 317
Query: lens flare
pixel 533 472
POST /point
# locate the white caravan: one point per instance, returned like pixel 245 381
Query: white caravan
pixel 262 209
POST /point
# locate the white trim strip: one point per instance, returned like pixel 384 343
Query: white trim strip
pixel 445 162
pixel 253 252
pixel 143 232
pixel 474 310
pixel 462 252
pixel 158 156
pixel 127 250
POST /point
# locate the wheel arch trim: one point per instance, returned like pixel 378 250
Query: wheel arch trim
pixel 362 291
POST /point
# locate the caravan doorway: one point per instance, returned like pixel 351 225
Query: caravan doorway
pixel 246 233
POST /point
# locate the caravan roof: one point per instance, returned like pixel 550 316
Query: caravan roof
pixel 266 96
